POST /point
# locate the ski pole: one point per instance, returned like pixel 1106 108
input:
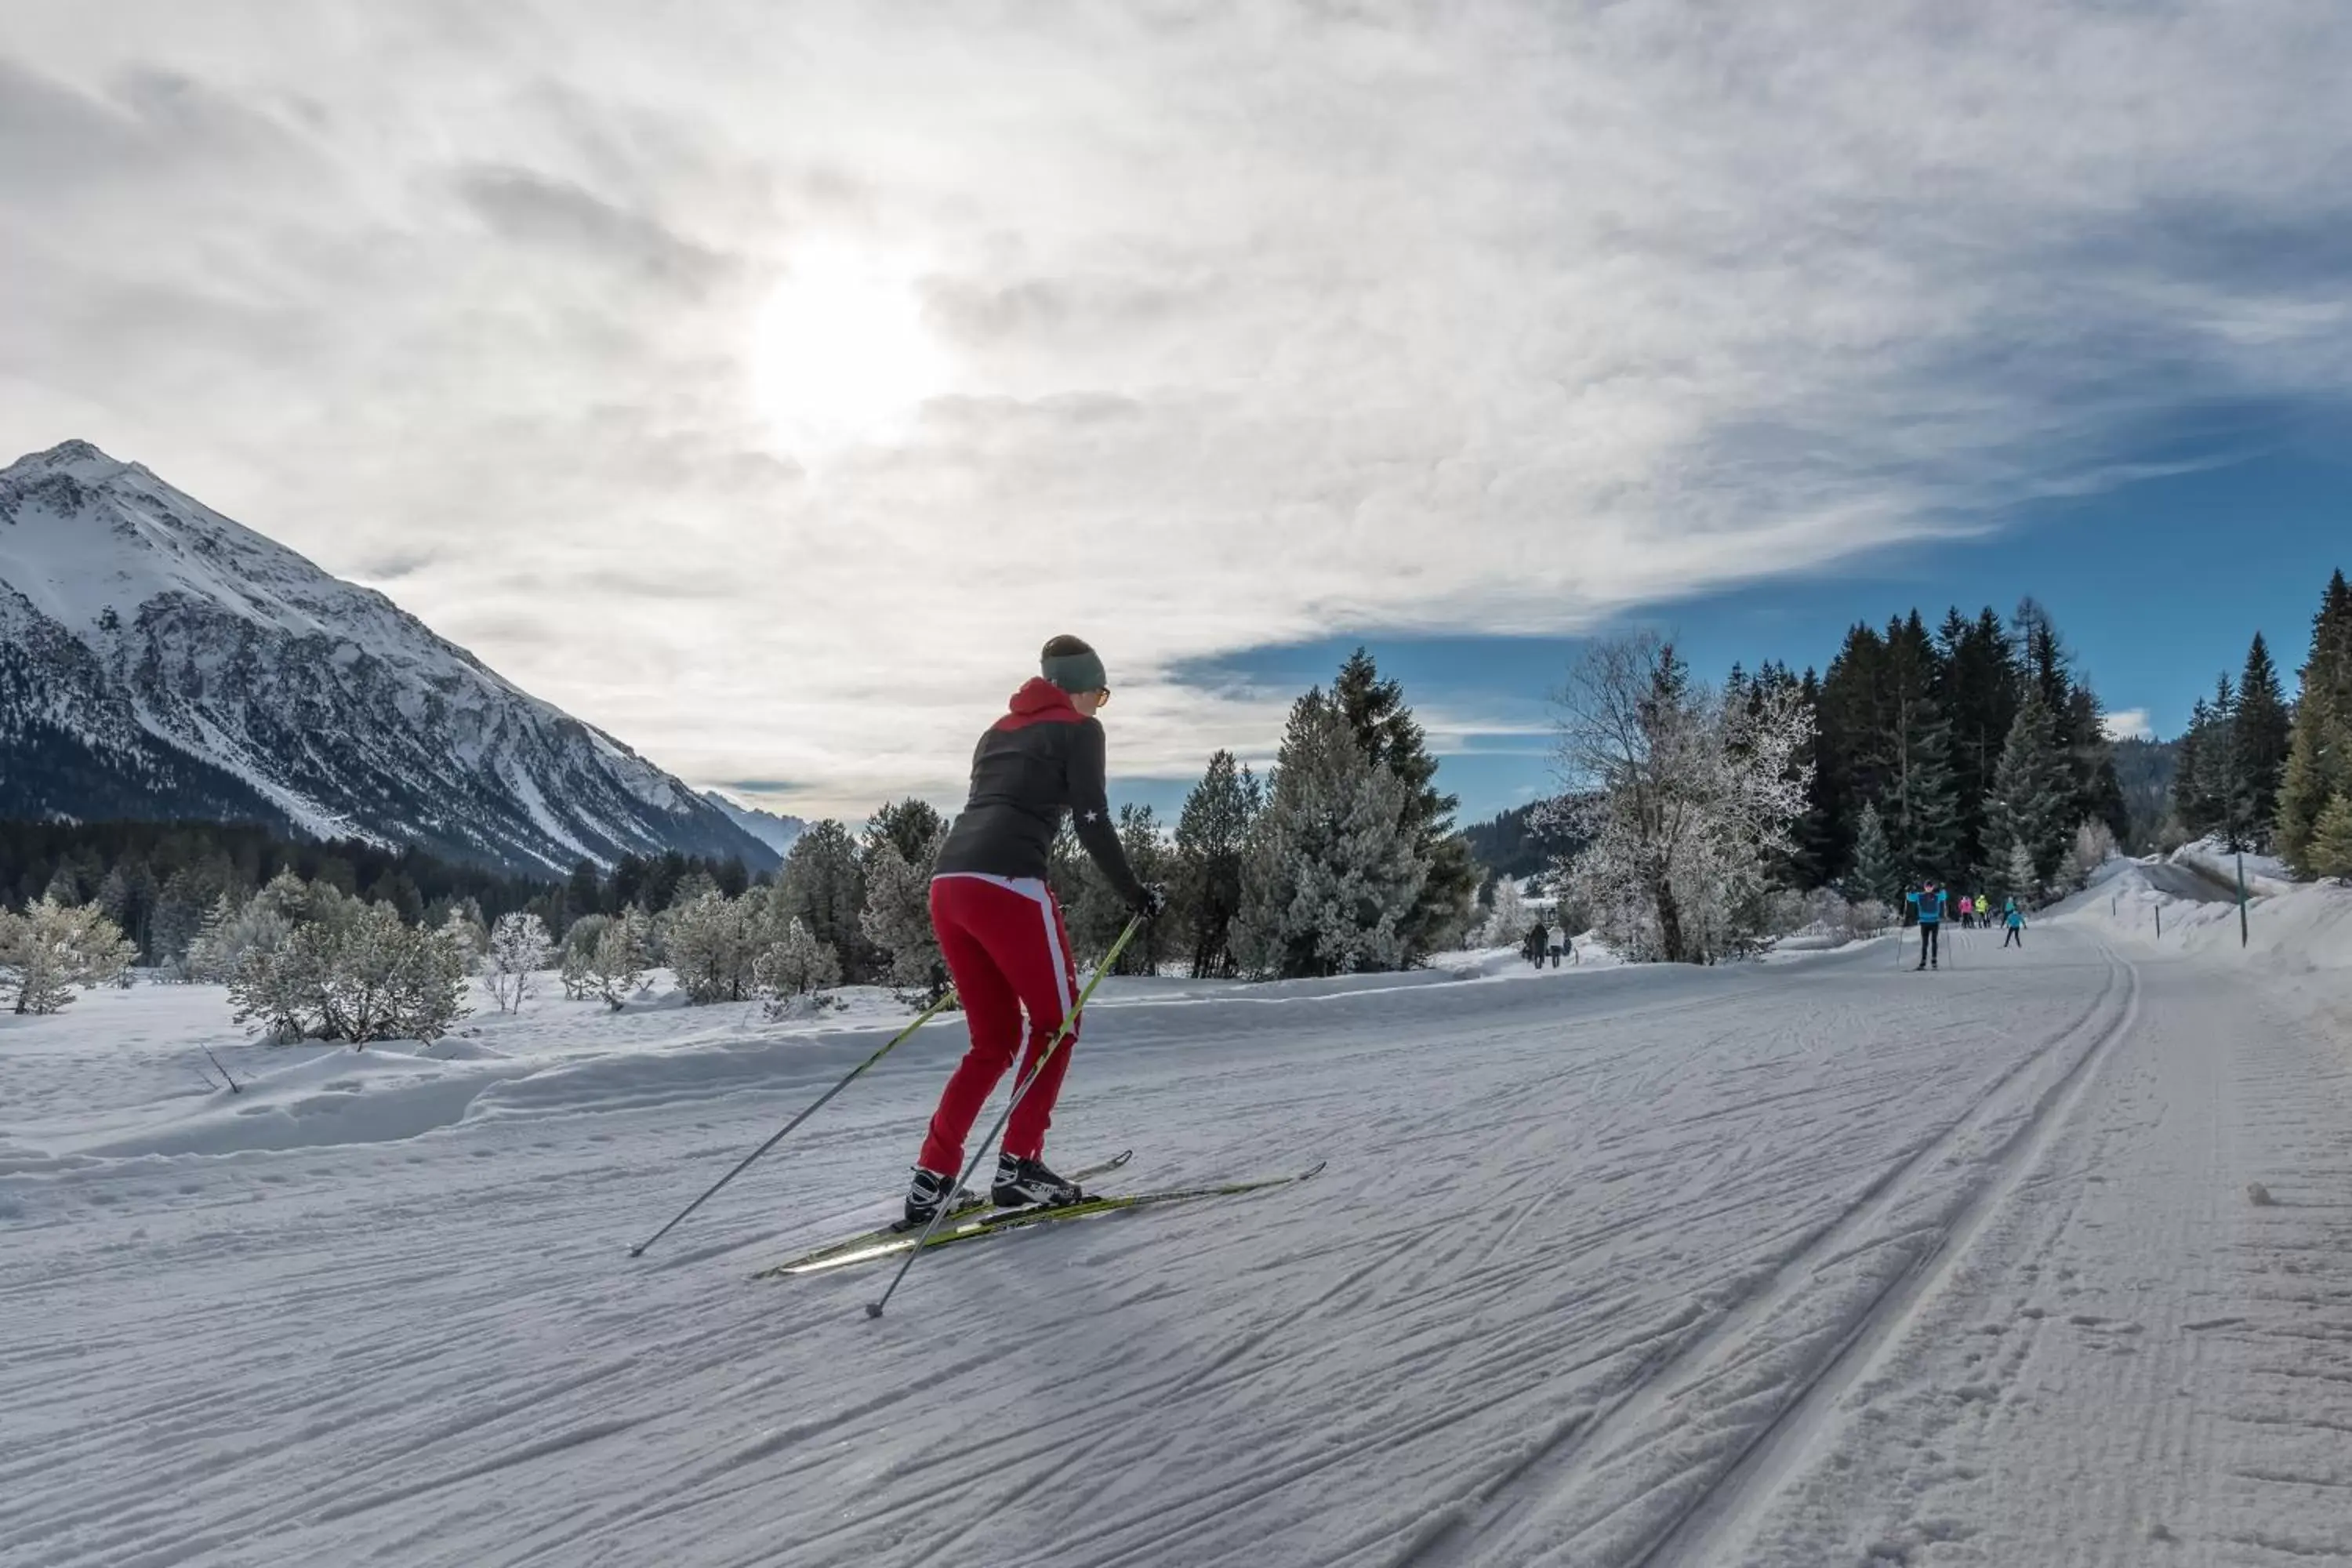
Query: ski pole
pixel 1111 960
pixel 927 1015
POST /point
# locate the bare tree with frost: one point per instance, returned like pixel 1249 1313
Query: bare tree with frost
pixel 1685 795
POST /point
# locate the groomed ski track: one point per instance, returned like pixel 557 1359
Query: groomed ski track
pixel 1807 1263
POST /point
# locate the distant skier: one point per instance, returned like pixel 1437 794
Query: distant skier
pixel 1928 903
pixel 1968 911
pixel 1000 926
pixel 2014 919
pixel 1554 951
pixel 1538 937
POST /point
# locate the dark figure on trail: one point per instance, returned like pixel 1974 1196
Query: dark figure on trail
pixel 2014 919
pixel 1000 926
pixel 1930 903
pixel 1539 936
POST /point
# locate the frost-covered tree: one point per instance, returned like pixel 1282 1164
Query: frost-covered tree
pixel 1507 919
pixel 1686 799
pixel 519 949
pixel 1329 872
pixel 462 928
pixel 1392 738
pixel 2018 879
pixel 51 948
pixel 624 951
pixel 897 921
pixel 2093 847
pixel 579 953
pixel 364 978
pixel 796 964
pixel 711 942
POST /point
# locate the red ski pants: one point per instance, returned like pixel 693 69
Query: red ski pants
pixel 1007 951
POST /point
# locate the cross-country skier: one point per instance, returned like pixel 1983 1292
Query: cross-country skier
pixel 1929 901
pixel 2014 919
pixel 1538 937
pixel 1000 926
pixel 1968 911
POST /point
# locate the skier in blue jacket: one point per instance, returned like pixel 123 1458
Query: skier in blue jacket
pixel 2014 919
pixel 1928 904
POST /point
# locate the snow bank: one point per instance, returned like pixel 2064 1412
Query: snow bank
pixel 2186 903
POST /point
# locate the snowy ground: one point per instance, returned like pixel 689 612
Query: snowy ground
pixel 1813 1262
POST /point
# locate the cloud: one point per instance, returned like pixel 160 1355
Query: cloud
pixel 1264 323
pixel 2128 724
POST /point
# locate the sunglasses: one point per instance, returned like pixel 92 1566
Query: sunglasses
pixel 1102 698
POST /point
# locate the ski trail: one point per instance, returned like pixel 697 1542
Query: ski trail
pixel 1514 1502
pixel 1714 1521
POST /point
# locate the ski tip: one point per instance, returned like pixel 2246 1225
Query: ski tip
pixel 873 1309
pixel 1313 1171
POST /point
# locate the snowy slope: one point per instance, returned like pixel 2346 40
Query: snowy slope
pixel 158 660
pixel 1820 1262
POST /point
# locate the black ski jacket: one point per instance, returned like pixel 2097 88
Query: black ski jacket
pixel 1043 758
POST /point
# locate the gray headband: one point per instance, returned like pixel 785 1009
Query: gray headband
pixel 1076 672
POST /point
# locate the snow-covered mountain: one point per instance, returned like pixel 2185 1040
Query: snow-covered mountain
pixel 778 833
pixel 158 661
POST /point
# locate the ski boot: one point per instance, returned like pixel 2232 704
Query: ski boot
pixel 928 1194
pixel 1027 1184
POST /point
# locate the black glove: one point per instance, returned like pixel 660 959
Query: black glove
pixel 1153 903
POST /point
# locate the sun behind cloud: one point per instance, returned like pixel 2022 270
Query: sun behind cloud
pixel 839 352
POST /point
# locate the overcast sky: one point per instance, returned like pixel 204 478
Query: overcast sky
pixel 1192 329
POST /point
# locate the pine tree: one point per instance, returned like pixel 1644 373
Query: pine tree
pixel 1925 799
pixel 1876 874
pixel 1329 872
pixel 1389 735
pixel 2329 853
pixel 2034 804
pixel 2261 733
pixel 2319 755
pixel 913 827
pixel 824 889
pixel 1209 836
pixel 897 922
pixel 2215 788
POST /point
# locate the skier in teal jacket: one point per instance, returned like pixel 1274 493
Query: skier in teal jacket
pixel 2014 919
pixel 1928 903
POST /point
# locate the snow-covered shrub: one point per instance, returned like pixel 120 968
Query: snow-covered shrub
pixel 896 919
pixel 367 977
pixel 231 930
pixel 1684 800
pixel 51 948
pixel 712 941
pixel 519 949
pixel 579 951
pixel 796 964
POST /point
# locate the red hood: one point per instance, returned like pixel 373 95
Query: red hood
pixel 1039 699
